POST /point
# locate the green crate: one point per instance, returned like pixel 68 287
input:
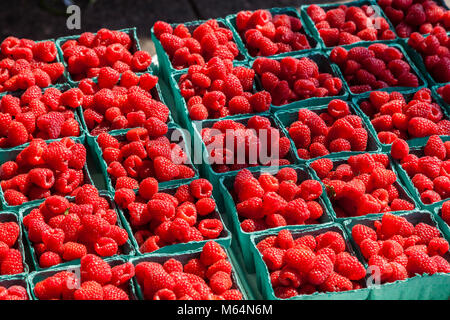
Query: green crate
pixel 402 189
pixel 224 238
pixel 165 65
pixel 290 11
pixel 329 6
pixel 243 238
pixel 120 134
pixel 127 248
pixel 287 117
pixel 408 96
pixel 11 156
pixel 20 280
pixel 263 274
pixel 39 276
pixel 13 217
pixel 324 66
pixel 184 257
pixel 419 287
pixel 398 45
pixel 135 46
pixel 418 151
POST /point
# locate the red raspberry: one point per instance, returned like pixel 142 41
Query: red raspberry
pixel 211 253
pixel 399 149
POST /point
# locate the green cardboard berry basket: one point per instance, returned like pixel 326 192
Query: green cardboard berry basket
pixel 19 245
pixel 290 11
pixel 418 151
pixel 201 155
pixel 38 276
pixel 263 274
pixel 328 6
pixel 164 63
pixel 419 287
pixel 408 96
pixel 135 46
pixel 184 257
pixel 244 238
pixel 399 46
pixel 224 238
pixel 324 66
pixel 402 189
pixel 17 280
pixel 287 117
pixel 126 249
pixel 174 131
pixel 11 156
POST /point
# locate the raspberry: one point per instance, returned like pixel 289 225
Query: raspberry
pixel 399 149
pixel 12 263
pixel 361 232
pixel 435 147
pixel 211 253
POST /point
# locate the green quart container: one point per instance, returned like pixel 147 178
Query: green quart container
pixel 263 274
pixel 419 287
pixel 243 238
pixel 17 280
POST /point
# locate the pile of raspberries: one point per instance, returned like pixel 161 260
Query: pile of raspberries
pixel 208 40
pixel 11 260
pixel 130 102
pixel 400 250
pixel 291 79
pixel 267 35
pixel 428 169
pixel 363 184
pixel 409 16
pixel 255 143
pixel 25 63
pixel 395 116
pixel 444 92
pixel 61 230
pixel 14 292
pixel 41 170
pixel 36 114
pixel 99 281
pixel 376 67
pixel 140 155
pixel 206 276
pixel 309 264
pixel 160 218
pixel 218 89
pixel 345 25
pixel 434 49
pixel 335 129
pixel 271 201
pixel 90 52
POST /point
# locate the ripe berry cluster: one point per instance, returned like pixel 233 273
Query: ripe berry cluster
pixel 26 63
pixel 61 231
pixel 401 250
pixel 11 260
pixel 140 155
pixel 292 79
pixel 90 52
pixel 409 16
pixel 112 104
pixel 47 115
pixel 444 92
pixel 428 170
pixel 161 218
pixel 394 117
pixel 206 277
pixel 332 130
pixel 218 89
pixel 99 281
pixel 310 264
pixel 14 292
pixel 364 184
pixel 435 52
pixel 255 143
pixel 208 40
pixel 376 67
pixel 265 34
pixel 346 25
pixel 271 201
pixel 42 169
